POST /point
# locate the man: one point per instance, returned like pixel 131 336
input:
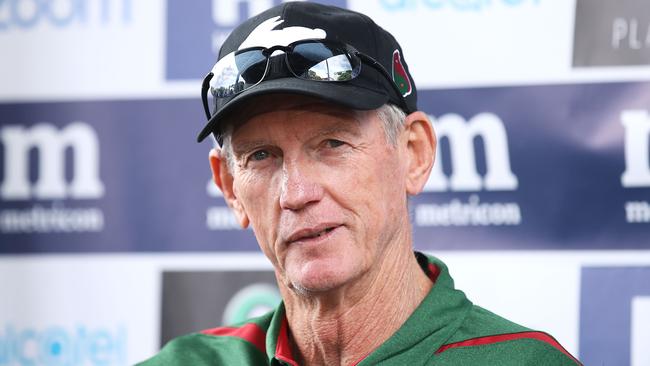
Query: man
pixel 321 145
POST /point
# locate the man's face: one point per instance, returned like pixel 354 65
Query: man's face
pixel 323 189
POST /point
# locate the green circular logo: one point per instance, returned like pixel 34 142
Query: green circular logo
pixel 251 301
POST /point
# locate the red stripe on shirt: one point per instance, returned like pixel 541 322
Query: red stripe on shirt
pixel 540 336
pixel 283 348
pixel 249 332
pixel 434 272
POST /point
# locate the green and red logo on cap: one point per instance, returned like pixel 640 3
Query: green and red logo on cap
pixel 400 77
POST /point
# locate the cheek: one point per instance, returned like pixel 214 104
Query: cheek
pixel 373 188
pixel 387 174
pixel 385 193
pixel 257 194
pixel 254 191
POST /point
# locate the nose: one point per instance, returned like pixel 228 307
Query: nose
pixel 300 185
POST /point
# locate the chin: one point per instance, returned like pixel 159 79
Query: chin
pixel 319 275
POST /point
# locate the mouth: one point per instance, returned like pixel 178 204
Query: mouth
pixel 312 234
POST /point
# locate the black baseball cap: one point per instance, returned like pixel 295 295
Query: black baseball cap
pixel 295 21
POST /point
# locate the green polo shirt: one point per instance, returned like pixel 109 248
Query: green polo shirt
pixel 445 329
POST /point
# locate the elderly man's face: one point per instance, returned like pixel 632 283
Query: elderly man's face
pixel 322 187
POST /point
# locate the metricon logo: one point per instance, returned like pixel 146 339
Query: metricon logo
pixel 465 177
pixel 51 145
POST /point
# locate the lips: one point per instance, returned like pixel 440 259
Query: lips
pixel 311 233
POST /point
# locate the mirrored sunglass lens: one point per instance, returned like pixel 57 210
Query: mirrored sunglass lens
pixel 237 72
pixel 323 62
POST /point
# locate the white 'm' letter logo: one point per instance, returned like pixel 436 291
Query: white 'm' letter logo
pixel 637 148
pixel 464 176
pixel 51 145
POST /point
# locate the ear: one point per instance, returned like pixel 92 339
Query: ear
pixel 224 180
pixel 421 151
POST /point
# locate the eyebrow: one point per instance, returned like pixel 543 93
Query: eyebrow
pixel 350 125
pixel 240 148
pixel 341 127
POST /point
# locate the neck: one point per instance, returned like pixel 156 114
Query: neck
pixel 345 325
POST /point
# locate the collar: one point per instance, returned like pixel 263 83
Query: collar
pixel 278 347
pixel 432 323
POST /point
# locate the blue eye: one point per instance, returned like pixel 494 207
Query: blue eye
pixel 334 143
pixel 260 155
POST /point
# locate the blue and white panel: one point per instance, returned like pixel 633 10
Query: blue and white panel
pixel 539 202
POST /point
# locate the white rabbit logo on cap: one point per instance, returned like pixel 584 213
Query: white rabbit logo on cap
pixel 264 35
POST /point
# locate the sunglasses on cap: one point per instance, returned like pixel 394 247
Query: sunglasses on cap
pixel 315 60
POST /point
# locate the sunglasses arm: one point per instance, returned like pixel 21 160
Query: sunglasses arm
pixel 204 93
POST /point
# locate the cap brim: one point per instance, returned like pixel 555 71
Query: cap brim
pixel 342 93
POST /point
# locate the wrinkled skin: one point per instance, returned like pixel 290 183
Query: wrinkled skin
pixel 326 196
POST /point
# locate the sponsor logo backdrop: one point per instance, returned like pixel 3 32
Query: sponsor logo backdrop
pixel 543 170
